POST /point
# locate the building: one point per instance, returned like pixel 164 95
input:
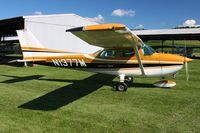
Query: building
pixel 49 30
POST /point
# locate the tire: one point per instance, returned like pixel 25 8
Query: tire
pixel 121 87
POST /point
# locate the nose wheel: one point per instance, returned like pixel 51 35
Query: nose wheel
pixel 121 87
pixel 124 82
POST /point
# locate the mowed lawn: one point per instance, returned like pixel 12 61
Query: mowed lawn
pixel 46 99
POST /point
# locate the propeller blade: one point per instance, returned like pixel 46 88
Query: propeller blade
pixel 186 64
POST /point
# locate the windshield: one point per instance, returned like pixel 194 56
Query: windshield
pixel 97 52
pixel 147 50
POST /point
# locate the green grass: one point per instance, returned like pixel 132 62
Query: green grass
pixel 46 99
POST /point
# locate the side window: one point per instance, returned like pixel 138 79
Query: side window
pixel 126 53
pixel 109 53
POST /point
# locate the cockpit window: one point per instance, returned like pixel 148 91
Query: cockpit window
pixel 126 53
pixel 147 50
pixel 109 53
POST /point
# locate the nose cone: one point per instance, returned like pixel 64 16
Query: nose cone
pixel 187 59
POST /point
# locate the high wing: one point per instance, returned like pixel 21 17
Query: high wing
pixel 110 36
pixel 107 35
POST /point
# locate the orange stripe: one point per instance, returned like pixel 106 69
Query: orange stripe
pixel 104 27
pixel 41 49
pixel 33 48
pixel 56 57
pixel 164 57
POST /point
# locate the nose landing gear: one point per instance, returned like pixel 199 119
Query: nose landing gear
pixel 121 87
pixel 124 83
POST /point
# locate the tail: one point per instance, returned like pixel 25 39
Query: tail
pixel 30 46
pixel 32 49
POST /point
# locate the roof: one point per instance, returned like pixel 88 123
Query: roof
pixel 8 27
pixel 50 15
pixel 169 34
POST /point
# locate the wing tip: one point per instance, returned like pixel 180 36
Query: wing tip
pixel 75 29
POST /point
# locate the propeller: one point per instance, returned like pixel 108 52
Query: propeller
pixel 186 70
pixel 186 63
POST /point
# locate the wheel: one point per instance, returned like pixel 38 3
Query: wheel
pixel 121 87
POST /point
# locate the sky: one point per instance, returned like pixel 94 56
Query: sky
pixel 148 14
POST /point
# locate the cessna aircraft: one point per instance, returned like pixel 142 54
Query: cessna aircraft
pixel 123 54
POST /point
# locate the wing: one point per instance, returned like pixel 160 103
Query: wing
pixel 109 36
pixel 106 35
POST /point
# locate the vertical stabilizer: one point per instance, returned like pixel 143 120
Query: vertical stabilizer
pixel 28 43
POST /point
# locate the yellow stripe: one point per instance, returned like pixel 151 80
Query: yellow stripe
pixel 41 49
pixel 104 27
pixel 33 48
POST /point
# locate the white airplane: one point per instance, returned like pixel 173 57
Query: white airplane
pixel 123 54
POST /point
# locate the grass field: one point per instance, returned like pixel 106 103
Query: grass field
pixel 46 99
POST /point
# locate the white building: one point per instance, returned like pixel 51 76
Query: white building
pixel 49 30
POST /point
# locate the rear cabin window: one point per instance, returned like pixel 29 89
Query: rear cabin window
pixel 113 53
pixel 126 53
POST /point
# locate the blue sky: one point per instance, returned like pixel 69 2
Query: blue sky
pixel 151 14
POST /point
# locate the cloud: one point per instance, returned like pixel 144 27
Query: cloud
pixel 38 13
pixel 98 19
pixel 139 27
pixel 189 23
pixel 122 12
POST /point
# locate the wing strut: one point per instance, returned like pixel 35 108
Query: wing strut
pixel 139 59
pixel 138 41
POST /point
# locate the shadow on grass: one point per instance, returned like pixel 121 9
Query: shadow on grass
pixel 142 85
pixel 20 79
pixel 67 94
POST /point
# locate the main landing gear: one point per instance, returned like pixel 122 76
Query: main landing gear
pixel 124 83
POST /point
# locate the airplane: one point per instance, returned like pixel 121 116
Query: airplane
pixel 122 54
